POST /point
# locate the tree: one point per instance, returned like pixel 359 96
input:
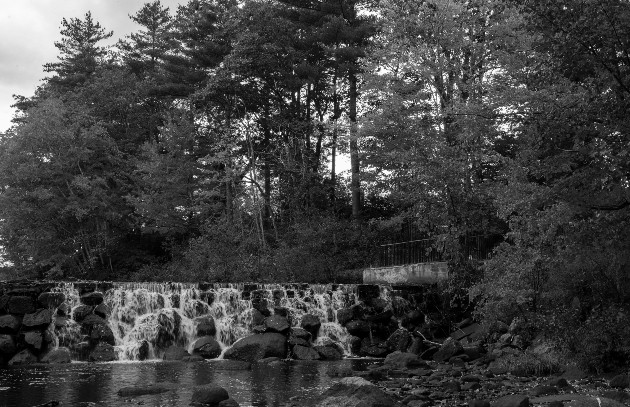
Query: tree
pixel 79 54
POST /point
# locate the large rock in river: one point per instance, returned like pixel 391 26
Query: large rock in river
pixel 103 352
pixel 23 358
pixel 355 392
pixel 9 324
pixel 206 347
pixel 56 356
pixel 255 347
pixel 209 395
pixel 276 323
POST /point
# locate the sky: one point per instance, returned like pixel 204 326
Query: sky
pixel 29 29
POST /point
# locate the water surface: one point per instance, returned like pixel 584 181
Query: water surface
pixel 91 384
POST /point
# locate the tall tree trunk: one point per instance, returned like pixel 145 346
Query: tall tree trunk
pixel 355 185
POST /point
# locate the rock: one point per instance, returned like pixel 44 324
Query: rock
pixel 367 292
pixel 428 354
pixel 37 320
pixel 620 396
pixel 328 352
pixel 7 345
pixel 257 317
pixel 358 328
pixel 34 339
pixel 155 388
pixel 20 304
pixel 51 300
pixel 299 336
pixel 542 390
pixel 209 395
pixel 230 402
pixel 92 320
pixel 103 352
pixel 400 340
pixel 102 333
pixel 344 315
pixel 206 347
pixel 354 393
pixel 64 309
pixel 376 347
pixel 57 356
pixel 558 382
pixel 470 386
pixel 403 360
pixel 311 324
pixel 81 312
pixel 102 311
pixel 25 357
pixel 305 353
pixel 259 346
pixel 620 382
pixel 9 324
pixel 174 352
pixel 512 400
pixel 277 323
pixel 143 350
pixel 479 403
pixel 206 326
pixel 449 348
pixel 93 299
pixel 355 344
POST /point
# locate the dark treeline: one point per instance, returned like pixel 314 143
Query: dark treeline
pixel 205 145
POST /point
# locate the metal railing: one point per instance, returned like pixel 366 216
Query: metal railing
pixel 426 250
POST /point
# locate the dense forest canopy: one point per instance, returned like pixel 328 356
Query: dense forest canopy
pixel 205 145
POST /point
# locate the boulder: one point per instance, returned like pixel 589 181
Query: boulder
pixel 449 348
pixel 206 347
pixel 57 356
pixel 143 350
pixel 305 353
pixel 64 309
pixel 512 400
pixel 257 317
pixel 93 299
pixel 328 352
pixel 34 339
pixel 7 345
pixel 81 312
pixel 103 352
pixel 354 392
pixel 358 328
pixel 209 395
pixel 205 326
pixel 102 333
pixel 228 403
pixel 400 340
pixel 373 347
pixel 478 403
pixel 299 336
pixel 404 360
pixel 9 324
pixel 542 390
pixel 256 347
pixel 51 300
pixel 344 315
pixel 175 353
pixel 92 320
pixel 38 320
pixel 20 304
pixel 102 310
pixel 311 323
pixel 277 323
pixel 25 357
pixel 154 388
pixel 620 382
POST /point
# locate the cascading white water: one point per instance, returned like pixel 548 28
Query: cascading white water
pixel 146 318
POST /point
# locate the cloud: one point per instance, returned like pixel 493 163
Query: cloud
pixel 29 28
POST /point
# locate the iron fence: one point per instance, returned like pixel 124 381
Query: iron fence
pixel 427 250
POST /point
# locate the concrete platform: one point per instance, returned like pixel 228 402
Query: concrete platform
pixel 410 274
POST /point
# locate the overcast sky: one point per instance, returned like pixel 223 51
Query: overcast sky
pixel 29 28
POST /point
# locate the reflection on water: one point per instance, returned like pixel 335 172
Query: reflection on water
pixel 89 384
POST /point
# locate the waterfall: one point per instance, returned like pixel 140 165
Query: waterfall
pixel 146 318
